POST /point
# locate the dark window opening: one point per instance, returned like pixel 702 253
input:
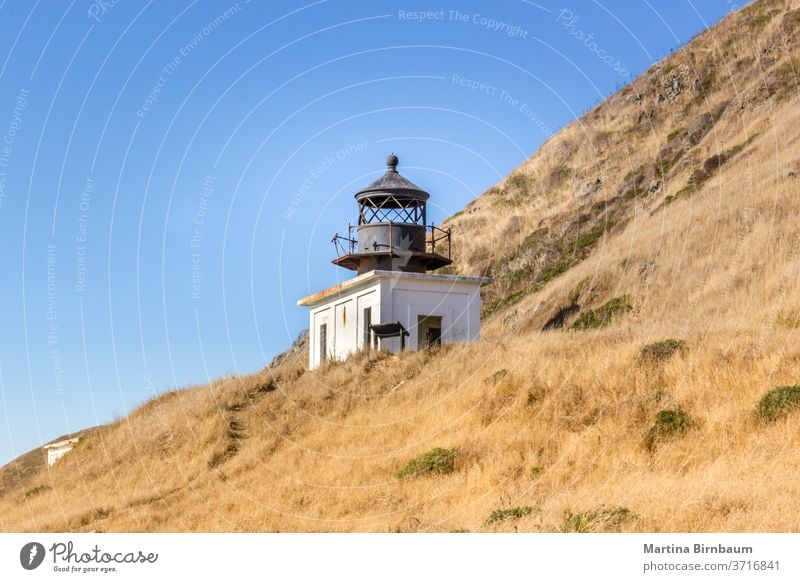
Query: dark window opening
pixel 367 342
pixel 323 342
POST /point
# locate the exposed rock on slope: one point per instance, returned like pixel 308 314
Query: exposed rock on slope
pixel 674 132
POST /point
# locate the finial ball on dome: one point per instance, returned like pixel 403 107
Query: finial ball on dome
pixel 391 162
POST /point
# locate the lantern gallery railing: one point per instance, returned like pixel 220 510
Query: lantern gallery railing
pixel 437 241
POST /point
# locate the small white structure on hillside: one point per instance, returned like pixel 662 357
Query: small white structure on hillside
pixel 393 303
pixel 58 449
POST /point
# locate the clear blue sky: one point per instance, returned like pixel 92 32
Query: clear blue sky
pixel 171 173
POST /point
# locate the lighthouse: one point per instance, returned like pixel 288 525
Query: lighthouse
pixel 395 302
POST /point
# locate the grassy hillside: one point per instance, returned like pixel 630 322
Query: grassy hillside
pixel 638 371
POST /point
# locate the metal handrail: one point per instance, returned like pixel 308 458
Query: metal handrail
pixel 340 241
pixel 348 245
pixel 444 235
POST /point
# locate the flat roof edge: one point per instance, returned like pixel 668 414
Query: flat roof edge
pixel 370 276
pixel 434 277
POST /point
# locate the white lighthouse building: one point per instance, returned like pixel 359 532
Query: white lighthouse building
pixel 394 303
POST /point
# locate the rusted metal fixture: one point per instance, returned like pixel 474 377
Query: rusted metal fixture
pixel 392 233
pixel 390 330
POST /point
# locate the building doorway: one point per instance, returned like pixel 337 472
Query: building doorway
pixel 429 331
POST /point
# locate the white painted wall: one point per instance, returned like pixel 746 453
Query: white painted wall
pixel 55 454
pixel 393 297
pixel 457 305
pixel 344 315
pixel 318 318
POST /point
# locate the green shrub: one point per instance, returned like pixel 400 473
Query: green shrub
pixel 439 461
pixel 558 269
pixel 506 301
pixel 596 520
pixel 778 402
pixel 585 240
pixel 501 515
pixel 661 351
pixel 668 424
pixel 741 146
pixel 517 276
pixel 667 201
pixel 603 315
pixel 684 192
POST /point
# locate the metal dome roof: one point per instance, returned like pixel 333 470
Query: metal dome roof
pixel 392 185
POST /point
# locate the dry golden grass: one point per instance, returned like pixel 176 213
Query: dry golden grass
pixel 561 431
pixel 554 423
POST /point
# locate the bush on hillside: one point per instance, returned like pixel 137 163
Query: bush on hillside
pixel 778 402
pixel 439 461
pixel 603 315
pixel 668 424
pixel 501 515
pixel 661 351
pixel 596 520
